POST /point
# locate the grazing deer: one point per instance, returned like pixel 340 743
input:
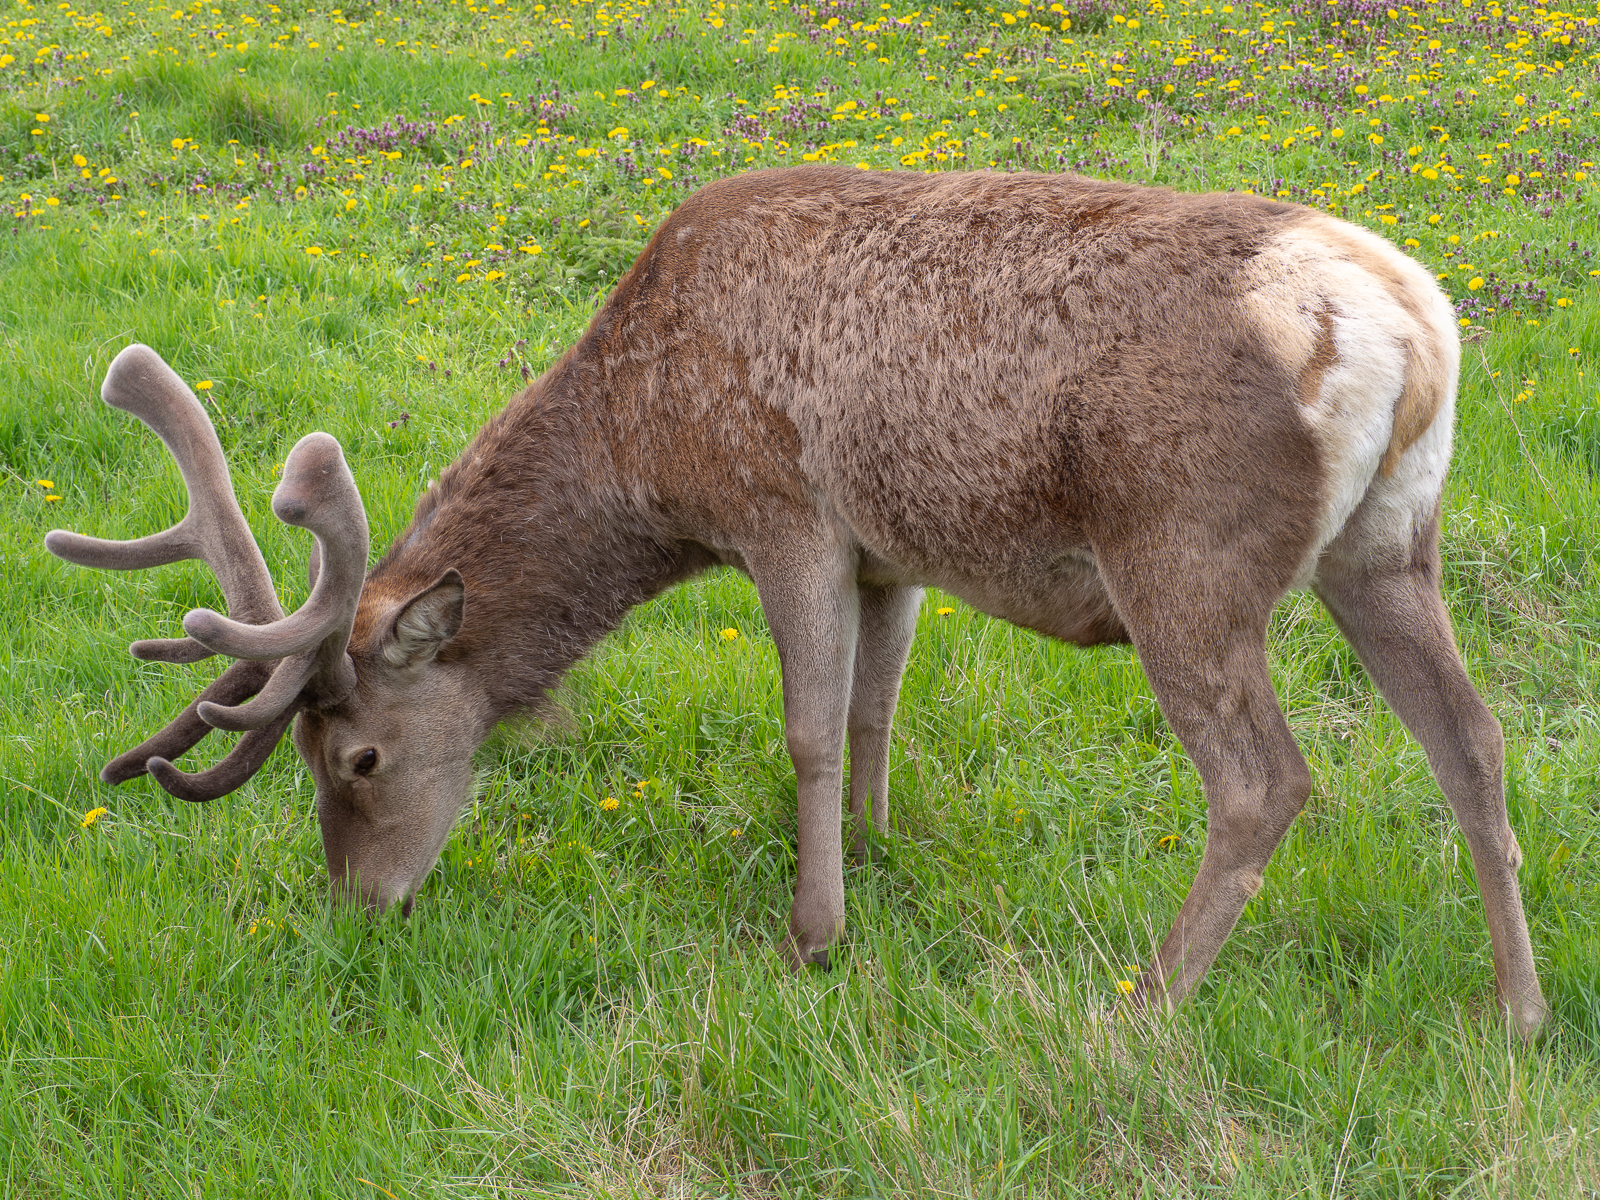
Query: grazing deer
pixel 1104 412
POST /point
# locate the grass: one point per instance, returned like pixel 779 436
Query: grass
pixel 378 221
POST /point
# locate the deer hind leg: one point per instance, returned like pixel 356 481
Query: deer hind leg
pixel 807 585
pixel 1206 662
pixel 887 622
pixel 1385 598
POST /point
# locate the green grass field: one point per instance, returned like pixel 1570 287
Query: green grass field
pixel 379 222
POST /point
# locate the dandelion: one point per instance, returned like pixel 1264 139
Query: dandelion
pixel 1125 986
pixel 205 385
pixel 1170 842
pixel 495 275
pixel 44 483
pixel 1474 283
pixel 945 611
pixel 314 251
pixel 609 804
pixel 90 817
pixel 730 634
pixel 733 833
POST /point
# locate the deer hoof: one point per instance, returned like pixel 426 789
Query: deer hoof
pixel 1146 998
pixel 800 953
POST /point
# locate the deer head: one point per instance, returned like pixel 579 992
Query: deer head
pixel 387 730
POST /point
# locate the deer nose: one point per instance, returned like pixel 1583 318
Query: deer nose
pixel 348 888
pixel 375 896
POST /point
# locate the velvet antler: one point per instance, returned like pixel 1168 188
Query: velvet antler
pixel 286 662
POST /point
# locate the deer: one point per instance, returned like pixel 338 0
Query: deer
pixel 1105 412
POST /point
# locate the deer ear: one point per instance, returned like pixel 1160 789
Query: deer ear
pixel 426 622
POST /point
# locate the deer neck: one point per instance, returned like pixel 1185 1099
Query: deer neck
pixel 553 549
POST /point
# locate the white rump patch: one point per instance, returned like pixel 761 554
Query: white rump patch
pixel 1311 286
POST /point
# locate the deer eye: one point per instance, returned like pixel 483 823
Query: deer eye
pixel 365 761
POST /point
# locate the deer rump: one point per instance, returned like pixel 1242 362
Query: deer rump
pixel 1102 411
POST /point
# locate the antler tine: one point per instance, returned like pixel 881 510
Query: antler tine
pixel 239 681
pixel 243 761
pixel 317 493
pixel 213 529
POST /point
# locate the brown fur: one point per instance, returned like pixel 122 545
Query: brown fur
pixel 1324 357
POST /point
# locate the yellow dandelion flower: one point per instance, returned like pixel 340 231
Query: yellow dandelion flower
pixel 735 833
pixel 314 251
pixel 90 817
pixel 44 483
pixel 945 611
pixel 730 634
pixel 205 385
pixel 1125 986
pixel 609 804
pixel 1475 283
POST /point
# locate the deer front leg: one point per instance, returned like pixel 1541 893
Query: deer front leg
pixel 1388 606
pixel 888 622
pixel 808 592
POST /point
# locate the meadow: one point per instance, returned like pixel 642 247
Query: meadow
pixel 380 220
